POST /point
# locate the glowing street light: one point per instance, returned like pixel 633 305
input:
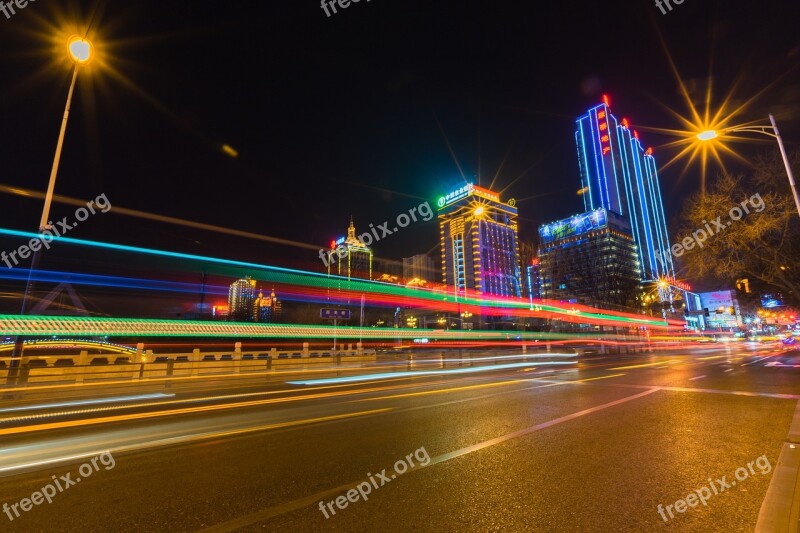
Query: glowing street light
pixel 479 211
pixel 707 135
pixel 771 131
pixel 80 51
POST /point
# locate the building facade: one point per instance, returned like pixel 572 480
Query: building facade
pixel 241 300
pixel 419 267
pixel 353 258
pixel 268 309
pixel 478 237
pixel 722 310
pixel 619 175
pixel 590 259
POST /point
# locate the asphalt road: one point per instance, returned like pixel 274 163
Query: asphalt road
pixel 553 443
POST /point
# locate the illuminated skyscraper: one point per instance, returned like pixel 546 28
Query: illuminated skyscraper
pixel 478 235
pixel 353 258
pixel 590 259
pixel 618 174
pixel 241 300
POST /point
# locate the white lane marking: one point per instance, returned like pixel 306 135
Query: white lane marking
pixel 697 377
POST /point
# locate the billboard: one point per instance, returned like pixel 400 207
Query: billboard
pixel 770 301
pixel 576 225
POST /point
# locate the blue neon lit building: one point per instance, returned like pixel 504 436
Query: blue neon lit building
pixel 618 174
pixel 590 258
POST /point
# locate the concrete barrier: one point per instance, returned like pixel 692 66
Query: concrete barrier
pixel 144 364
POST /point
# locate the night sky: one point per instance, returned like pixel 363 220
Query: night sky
pixel 351 114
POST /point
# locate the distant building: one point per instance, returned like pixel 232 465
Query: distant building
pixel 590 259
pixel 353 258
pixel 241 300
pixel 390 267
pixel 721 309
pixel 268 309
pixel 419 267
pixel 533 279
pixel 478 236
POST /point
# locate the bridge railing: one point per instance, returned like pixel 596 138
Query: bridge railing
pixel 144 364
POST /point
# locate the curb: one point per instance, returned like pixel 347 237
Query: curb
pixel 780 512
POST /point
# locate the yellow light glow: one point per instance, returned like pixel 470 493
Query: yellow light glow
pixel 80 49
pixel 230 150
pixel 707 135
pixel 479 211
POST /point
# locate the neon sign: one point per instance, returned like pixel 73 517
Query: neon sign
pixel 602 125
pixel 467 189
pixel 485 193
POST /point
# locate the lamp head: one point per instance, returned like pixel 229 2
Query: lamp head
pixel 80 49
pixel 707 135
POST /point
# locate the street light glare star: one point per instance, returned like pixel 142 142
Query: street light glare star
pixel 707 120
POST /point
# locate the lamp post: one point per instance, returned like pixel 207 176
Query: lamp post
pixel 80 52
pixel 771 131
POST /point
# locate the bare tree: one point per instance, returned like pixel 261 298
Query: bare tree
pixel 761 244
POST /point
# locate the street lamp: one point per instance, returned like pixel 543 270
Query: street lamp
pixel 80 49
pixel 80 52
pixel 771 131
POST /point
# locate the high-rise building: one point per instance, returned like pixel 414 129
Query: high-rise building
pixel 590 259
pixel 533 279
pixel 353 258
pixel 241 300
pixel 478 235
pixel 419 267
pixel 619 175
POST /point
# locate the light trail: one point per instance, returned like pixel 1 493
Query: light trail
pixel 193 438
pixel 299 395
pixel 412 374
pixel 384 292
pixel 463 388
pixel 32 325
pixel 77 403
pixel 645 365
